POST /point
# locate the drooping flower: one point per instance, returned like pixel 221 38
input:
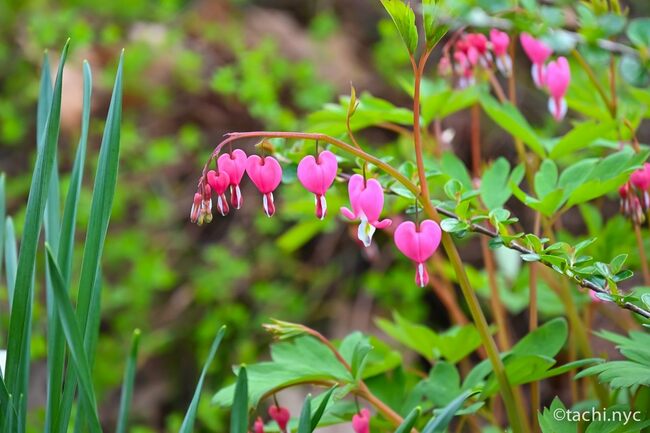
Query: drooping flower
pixel 258 426
pixel 266 174
pixel 558 76
pixel 418 243
pixel 219 183
pixel 463 69
pixel 500 42
pixel 195 212
pixel 280 415
pixel 234 164
pixel 640 179
pixel 317 175
pixel 477 49
pixel 367 202
pixel 538 52
pixel 361 421
pixel 634 202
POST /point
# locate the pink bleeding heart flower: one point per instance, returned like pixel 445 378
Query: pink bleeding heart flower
pixel 219 183
pixel 418 244
pixel 317 175
pixel 500 42
pixel 641 178
pixel 280 415
pixel 234 164
pixel 537 51
pixel 266 174
pixel 367 202
pixel 478 49
pixel 558 76
pixel 258 426
pixel 361 421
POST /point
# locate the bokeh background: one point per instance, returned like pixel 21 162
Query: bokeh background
pixel 195 70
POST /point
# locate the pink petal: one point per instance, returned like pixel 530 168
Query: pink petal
pixel 371 200
pixel 558 76
pixel 218 181
pixel 317 175
pixel 420 245
pixel 265 173
pixel 536 50
pixel 234 164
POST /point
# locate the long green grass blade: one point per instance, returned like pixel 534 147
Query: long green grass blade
pixel 190 415
pixel 74 339
pixel 11 257
pixel 304 423
pixel 65 252
pixel 18 347
pixel 3 215
pixel 70 208
pixel 320 410
pixel 127 385
pixel 439 423
pixel 239 412
pixel 409 421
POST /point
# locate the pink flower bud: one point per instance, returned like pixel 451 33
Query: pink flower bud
pixel 500 41
pixel 367 202
pixel 418 244
pixel 641 178
pixel 317 175
pixel 235 165
pixel 266 174
pixel 258 426
pixel 196 207
pixel 361 421
pixel 280 415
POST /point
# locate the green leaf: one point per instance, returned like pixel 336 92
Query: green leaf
pixel 509 118
pixel 445 381
pixel 440 422
pixel 452 225
pixel 304 424
pixel 639 32
pixel 320 410
pixel 547 340
pixel 433 30
pixel 127 384
pixel 239 413
pixel 494 184
pixel 18 345
pixel 580 137
pixel 409 421
pixel 546 179
pixel 190 415
pixel 73 336
pixel 439 100
pixel 404 19
pixel 550 422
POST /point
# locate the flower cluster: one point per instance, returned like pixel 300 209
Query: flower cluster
pixel 554 76
pixel 474 50
pixel 317 173
pixel 635 195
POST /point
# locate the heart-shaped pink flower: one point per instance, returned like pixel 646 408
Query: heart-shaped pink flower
pixel 558 76
pixel 266 174
pixel 234 164
pixel 361 421
pixel 317 175
pixel 367 202
pixel 538 52
pixel 219 183
pixel 418 243
pixel 280 415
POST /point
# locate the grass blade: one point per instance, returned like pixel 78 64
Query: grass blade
pixel 321 408
pixel 409 421
pixel 239 412
pixel 304 424
pixel 127 385
pixel 18 346
pixel 190 415
pixel 11 258
pixel 73 337
pixel 443 418
pixel 3 215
